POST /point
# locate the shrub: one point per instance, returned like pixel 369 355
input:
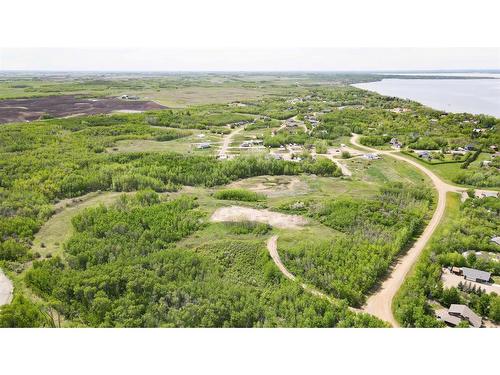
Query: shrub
pixel 239 195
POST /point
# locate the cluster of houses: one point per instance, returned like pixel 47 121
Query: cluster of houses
pixel 456 313
pixel 426 154
pixel 291 123
pixel 400 110
pixel 252 142
pixel 312 119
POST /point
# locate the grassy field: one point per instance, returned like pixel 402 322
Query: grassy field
pixel 449 171
pixel 58 229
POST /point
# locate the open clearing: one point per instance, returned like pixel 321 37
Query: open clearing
pixel 184 96
pixel 274 186
pixel 58 228
pixel 275 219
pixel 21 110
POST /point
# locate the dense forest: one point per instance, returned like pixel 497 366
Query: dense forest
pixel 123 270
pixel 371 234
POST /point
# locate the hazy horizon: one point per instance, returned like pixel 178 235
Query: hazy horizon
pixel 249 59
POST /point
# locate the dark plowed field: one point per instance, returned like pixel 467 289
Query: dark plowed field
pixel 21 110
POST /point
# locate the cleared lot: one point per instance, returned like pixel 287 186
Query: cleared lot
pixel 275 219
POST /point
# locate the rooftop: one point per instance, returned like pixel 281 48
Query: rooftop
pixel 471 273
pixel 467 313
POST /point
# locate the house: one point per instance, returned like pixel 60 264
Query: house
pixel 445 316
pixel 485 163
pixel 494 148
pixel 395 143
pixel 488 194
pixel 371 156
pixel 495 155
pixel 496 240
pixel 479 276
pixel 203 145
pixel 464 312
pixel 424 154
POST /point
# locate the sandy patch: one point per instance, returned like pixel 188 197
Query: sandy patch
pixel 275 219
pixel 273 186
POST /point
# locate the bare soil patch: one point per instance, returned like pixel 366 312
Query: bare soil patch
pixel 274 186
pixel 275 219
pixel 21 110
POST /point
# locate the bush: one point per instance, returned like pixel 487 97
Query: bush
pixel 248 227
pixel 12 250
pixel 239 195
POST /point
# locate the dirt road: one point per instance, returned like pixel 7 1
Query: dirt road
pixel 6 289
pixel 227 141
pixel 380 303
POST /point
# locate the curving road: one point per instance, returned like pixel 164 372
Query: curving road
pixel 380 303
pixel 272 247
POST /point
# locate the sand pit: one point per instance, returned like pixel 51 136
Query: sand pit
pixel 275 219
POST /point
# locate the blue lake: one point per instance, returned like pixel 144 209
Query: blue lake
pixel 452 95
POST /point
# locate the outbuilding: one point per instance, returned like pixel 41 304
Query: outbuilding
pixel 479 276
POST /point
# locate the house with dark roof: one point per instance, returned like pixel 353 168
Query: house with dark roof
pixel 464 312
pixel 479 276
pixel 445 316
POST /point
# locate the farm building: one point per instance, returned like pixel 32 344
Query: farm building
pixel 479 276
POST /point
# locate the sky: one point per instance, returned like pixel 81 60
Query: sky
pixel 231 59
pixel 249 35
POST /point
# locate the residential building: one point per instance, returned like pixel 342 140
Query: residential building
pixel 479 276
